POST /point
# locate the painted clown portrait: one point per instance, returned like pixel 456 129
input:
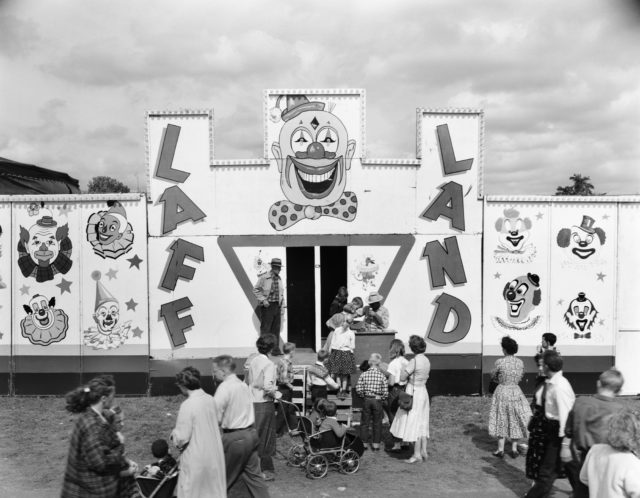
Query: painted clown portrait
pixel 109 232
pixel 584 240
pixel 513 238
pixel 44 323
pixel 109 332
pixel 521 295
pixel 313 154
pixel 44 249
pixel 580 316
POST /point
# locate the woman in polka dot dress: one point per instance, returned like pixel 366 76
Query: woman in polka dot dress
pixel 342 361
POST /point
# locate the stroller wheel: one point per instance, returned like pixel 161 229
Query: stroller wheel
pixel 349 462
pixel 297 455
pixel 317 467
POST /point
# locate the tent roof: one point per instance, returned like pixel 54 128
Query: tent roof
pixel 19 178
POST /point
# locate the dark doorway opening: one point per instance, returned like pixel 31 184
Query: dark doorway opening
pixel 333 274
pixel 301 305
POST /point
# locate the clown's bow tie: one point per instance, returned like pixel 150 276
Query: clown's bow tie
pixel 283 214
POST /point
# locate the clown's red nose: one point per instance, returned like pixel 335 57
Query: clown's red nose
pixel 315 150
pixel 43 247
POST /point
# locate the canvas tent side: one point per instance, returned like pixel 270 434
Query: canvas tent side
pixel 22 179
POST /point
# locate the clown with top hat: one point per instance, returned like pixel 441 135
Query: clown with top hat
pixel 45 249
pixel 313 154
pixel 109 332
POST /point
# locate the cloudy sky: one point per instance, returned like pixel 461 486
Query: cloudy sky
pixel 558 80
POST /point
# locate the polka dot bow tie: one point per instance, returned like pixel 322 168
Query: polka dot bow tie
pixel 283 214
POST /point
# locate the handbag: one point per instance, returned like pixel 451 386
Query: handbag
pixel 405 400
pixel 493 383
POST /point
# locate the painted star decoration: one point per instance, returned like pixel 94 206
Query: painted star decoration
pixel 605 216
pixel 64 210
pixel 135 261
pixel 601 322
pixel 111 273
pixel 601 276
pixel 560 301
pixel 496 275
pixel 539 216
pixel 131 304
pixel 24 290
pixel 137 332
pixel 65 286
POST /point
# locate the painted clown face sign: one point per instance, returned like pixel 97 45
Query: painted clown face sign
pixel 584 240
pixel 580 316
pixel 522 296
pixel 44 249
pixel 109 332
pixel 313 154
pixel 109 232
pixel 513 238
pixel 44 323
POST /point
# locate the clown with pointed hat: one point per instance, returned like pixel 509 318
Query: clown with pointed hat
pixel 109 332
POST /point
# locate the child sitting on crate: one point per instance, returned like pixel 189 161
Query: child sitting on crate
pixel 165 463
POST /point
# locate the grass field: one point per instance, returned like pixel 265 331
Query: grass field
pixel 34 438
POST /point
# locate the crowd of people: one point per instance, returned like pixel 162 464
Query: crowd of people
pixel 593 441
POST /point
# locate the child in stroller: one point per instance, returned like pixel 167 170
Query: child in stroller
pixel 334 445
pixel 165 463
pixel 159 479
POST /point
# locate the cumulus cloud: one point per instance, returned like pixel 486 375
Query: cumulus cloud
pixel 558 81
pixel 18 37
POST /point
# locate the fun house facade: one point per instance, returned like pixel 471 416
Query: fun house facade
pixel 143 284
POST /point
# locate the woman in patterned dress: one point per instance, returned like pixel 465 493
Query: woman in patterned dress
pixel 510 413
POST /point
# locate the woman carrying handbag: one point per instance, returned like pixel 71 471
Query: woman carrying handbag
pixel 411 423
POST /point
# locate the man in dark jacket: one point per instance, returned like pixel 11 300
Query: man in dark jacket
pixel 587 424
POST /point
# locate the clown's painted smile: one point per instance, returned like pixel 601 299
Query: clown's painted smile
pixel 315 180
pixel 43 255
pixel 581 324
pixel 44 322
pixel 515 240
pixel 583 253
pixel 514 307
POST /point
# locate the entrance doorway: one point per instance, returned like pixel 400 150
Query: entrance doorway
pixel 333 274
pixel 301 301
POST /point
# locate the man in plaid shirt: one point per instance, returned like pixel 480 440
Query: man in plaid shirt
pixel 372 386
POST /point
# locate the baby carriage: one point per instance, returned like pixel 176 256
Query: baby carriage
pixel 324 449
pixel 153 487
pixel 297 453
